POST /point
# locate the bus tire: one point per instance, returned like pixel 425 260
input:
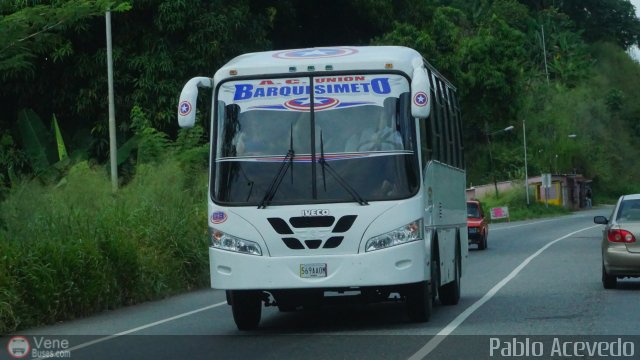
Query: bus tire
pixel 450 293
pixel 419 302
pixel 246 306
pixel 435 274
pixel 482 245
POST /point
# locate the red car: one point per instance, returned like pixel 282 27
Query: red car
pixel 477 224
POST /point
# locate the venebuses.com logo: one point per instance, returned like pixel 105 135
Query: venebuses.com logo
pixel 18 347
pixel 38 347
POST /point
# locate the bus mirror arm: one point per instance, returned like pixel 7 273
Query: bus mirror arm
pixel 420 103
pixel 188 99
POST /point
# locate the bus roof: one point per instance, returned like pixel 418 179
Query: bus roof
pixel 339 58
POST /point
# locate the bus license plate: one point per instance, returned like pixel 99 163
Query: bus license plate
pixel 313 270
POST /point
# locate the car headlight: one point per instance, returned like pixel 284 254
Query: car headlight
pixel 224 241
pixel 401 235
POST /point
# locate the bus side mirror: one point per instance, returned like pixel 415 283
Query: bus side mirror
pixel 420 104
pixel 188 98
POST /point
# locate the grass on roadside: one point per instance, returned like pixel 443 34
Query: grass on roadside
pixel 516 200
pixel 75 249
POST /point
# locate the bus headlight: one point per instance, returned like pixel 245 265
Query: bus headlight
pixel 401 235
pixel 224 241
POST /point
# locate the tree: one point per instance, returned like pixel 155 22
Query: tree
pixel 568 59
pixel 598 20
pixel 491 66
pixel 305 23
pixel 157 46
pixel 34 31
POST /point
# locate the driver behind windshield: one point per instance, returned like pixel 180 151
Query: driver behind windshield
pixel 383 137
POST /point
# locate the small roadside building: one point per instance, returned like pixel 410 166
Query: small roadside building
pixel 567 190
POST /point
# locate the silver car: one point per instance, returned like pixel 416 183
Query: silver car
pixel 620 247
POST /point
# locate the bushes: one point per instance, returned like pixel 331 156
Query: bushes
pixel 516 200
pixel 76 248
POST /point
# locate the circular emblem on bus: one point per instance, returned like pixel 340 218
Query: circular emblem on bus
pixel 184 108
pixel 18 347
pixel 218 217
pixel 315 53
pixel 304 104
pixel 420 99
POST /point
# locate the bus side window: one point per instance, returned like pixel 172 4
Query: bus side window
pixel 425 141
pixel 439 124
pixel 447 124
pixel 433 119
pixel 458 130
pixel 404 115
pixel 229 125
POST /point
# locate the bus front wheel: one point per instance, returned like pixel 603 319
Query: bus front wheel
pixel 419 301
pixel 246 306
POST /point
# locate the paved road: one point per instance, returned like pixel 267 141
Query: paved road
pixel 538 280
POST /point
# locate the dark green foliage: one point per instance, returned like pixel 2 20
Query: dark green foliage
pixel 33 30
pixel 158 45
pixel 147 241
pixel 605 20
pixel 516 200
pixel 12 159
pixel 493 51
pixel 152 144
pixel 598 20
pixel 486 79
pixel 35 140
pixel 410 36
pixel 601 113
pixel 76 249
pixel 304 23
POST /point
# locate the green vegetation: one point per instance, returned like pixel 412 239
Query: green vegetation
pixel 560 66
pixel 516 200
pixel 69 247
pixel 76 248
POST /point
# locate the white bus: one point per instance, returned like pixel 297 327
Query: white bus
pixel 333 171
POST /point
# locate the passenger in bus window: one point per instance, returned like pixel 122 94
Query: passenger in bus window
pixel 239 143
pixel 251 139
pixel 383 138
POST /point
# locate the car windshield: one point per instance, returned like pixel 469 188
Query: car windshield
pixel 362 129
pixel 473 210
pixel 629 210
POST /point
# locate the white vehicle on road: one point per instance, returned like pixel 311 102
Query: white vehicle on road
pixel 333 170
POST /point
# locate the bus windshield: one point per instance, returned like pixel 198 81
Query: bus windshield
pixel 360 126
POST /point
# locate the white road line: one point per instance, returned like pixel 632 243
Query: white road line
pixel 447 330
pixel 520 225
pixel 103 339
pixel 539 222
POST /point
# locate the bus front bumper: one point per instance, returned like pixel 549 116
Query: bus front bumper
pixel 402 264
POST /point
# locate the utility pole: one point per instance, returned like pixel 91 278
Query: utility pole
pixel 113 155
pixel 544 52
pixel 493 172
pixel 526 175
pixel 488 134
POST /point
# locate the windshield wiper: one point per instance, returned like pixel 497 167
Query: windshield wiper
pixel 337 176
pixel 249 183
pixel 284 166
